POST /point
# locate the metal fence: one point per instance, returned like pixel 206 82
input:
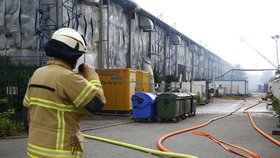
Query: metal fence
pixel 13 83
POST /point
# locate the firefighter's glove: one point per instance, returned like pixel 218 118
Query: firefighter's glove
pixel 88 72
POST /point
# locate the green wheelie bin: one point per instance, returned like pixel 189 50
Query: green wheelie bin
pixel 193 104
pixel 188 104
pixel 172 106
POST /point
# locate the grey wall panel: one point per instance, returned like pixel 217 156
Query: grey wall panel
pixel 216 68
pixel 82 22
pixel 212 67
pixel 88 27
pixel 154 51
pixel 181 52
pixel 2 28
pixel 195 64
pixel 92 35
pixel 202 70
pixel 15 55
pixel 2 16
pixel 30 57
pixel 12 24
pixel 206 65
pixel 28 23
pixel 188 63
pixel 141 53
pixel 140 44
pixel 137 49
pixel 184 59
pixel 119 37
pixel 95 23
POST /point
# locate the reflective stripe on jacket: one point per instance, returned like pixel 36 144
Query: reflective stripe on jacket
pixel 55 97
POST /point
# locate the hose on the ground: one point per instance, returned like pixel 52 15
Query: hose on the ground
pixel 139 148
pixel 159 142
pixel 223 144
pixel 179 155
pixel 259 130
pixel 161 147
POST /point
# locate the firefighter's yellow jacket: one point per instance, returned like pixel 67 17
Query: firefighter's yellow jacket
pixel 55 97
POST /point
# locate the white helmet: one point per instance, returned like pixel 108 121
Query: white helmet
pixel 71 38
pixel 66 44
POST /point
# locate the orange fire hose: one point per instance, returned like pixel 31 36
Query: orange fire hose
pixel 223 144
pixel 260 131
pixel 159 142
pixel 161 147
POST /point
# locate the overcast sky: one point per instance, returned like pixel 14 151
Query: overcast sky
pixel 219 24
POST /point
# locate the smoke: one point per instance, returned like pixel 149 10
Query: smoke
pixel 266 76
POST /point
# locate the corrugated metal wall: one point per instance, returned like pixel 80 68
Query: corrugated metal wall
pixel 19 38
pixel 119 37
pixel 140 44
pixel 88 27
pixel 18 29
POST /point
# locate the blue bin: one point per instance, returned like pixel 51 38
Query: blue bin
pixel 143 105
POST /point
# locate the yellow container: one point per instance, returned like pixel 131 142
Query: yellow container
pixel 119 85
pixel 143 81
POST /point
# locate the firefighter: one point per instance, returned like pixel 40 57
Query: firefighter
pixel 57 98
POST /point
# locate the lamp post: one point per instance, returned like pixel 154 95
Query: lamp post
pixel 276 37
pixel 193 49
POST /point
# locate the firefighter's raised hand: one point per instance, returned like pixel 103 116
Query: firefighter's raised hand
pixel 88 72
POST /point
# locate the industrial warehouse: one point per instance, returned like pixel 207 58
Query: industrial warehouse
pixel 158 83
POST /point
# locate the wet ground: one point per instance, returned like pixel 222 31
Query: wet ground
pixel 235 129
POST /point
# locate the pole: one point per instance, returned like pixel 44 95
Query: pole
pixel 129 62
pixel 276 39
pixel 231 83
pixel 193 50
pixel 243 40
pixel 101 36
pixel 165 55
pixel 108 35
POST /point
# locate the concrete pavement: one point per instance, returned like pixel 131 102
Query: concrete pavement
pixel 235 129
